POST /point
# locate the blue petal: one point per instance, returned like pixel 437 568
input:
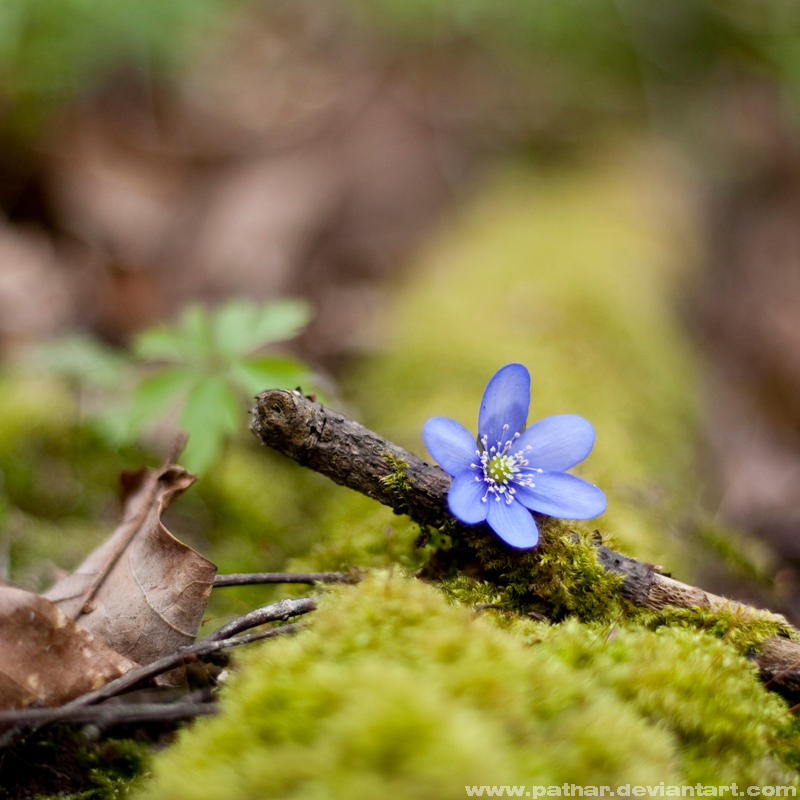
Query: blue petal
pixel 513 523
pixel 450 443
pixel 559 494
pixel 505 402
pixel 465 498
pixel 557 443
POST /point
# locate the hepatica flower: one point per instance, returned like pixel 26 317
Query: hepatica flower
pixel 514 470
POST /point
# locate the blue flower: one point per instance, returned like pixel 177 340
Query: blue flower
pixel 514 470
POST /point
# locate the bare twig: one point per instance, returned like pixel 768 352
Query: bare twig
pixel 175 449
pixel 196 652
pixel 349 454
pixel 222 639
pixel 108 715
pixel 27 718
pixel 354 456
pixel 251 578
pixel 282 610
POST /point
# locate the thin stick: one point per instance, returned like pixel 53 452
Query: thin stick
pixel 108 715
pixel 136 677
pixel 133 527
pixel 282 610
pixel 252 578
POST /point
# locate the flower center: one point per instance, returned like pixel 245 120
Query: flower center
pixel 497 469
pixel 501 468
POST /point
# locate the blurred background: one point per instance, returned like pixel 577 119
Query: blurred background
pixel 606 190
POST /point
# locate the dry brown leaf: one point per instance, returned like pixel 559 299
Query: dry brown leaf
pixel 46 658
pixel 142 591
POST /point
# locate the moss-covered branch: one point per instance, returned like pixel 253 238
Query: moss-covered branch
pixel 354 456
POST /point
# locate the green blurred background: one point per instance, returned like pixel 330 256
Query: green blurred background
pixel 606 191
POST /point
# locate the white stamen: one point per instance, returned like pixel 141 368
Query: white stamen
pixel 501 472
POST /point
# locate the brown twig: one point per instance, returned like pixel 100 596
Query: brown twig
pixel 282 610
pixel 34 718
pixel 221 639
pixel 253 578
pixel 354 456
pixel 349 454
pixel 108 715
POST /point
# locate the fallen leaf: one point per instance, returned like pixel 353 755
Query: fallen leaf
pixel 142 591
pixel 46 658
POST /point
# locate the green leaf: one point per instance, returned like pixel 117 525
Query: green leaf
pixel 189 341
pixel 161 343
pixel 258 374
pixel 153 399
pixel 157 394
pixel 212 411
pixel 234 326
pixel 241 326
pixel 196 328
pixel 281 320
pixel 83 359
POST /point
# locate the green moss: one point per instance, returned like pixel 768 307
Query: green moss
pixel 253 513
pixel 397 482
pixel 66 763
pixel 392 692
pixel 113 764
pixel 58 481
pixel 562 577
pixel 742 555
pixel 744 632
pixel 727 726
pixel 464 590
pixel 354 530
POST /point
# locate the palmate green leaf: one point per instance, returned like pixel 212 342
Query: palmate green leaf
pixel 277 372
pixel 212 411
pixel 189 341
pixel 208 349
pixel 241 326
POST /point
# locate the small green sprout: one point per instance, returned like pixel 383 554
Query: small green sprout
pixel 205 365
pixel 198 373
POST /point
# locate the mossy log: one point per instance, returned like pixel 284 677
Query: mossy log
pixel 354 456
